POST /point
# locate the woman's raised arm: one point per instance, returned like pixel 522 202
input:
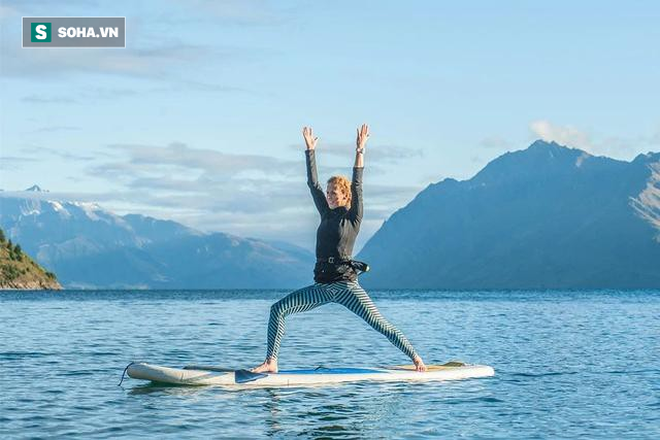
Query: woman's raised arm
pixel 312 178
pixel 360 143
pixel 356 183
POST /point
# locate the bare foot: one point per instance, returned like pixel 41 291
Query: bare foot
pixel 419 363
pixel 269 366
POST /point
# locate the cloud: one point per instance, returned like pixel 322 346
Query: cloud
pixel 55 128
pixel 564 135
pixel 613 146
pixel 18 159
pixel 85 95
pixel 264 209
pixel 13 163
pixel 36 150
pixel 135 62
pixel 218 165
pixel 150 54
pixel 169 64
pixel 103 93
pixel 202 86
pixel 36 99
pixel 177 177
pixel 389 197
pixel 243 194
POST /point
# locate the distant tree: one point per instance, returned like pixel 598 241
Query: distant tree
pixel 10 272
pixel 2 236
pixel 18 253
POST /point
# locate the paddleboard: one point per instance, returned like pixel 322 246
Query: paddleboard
pixel 210 375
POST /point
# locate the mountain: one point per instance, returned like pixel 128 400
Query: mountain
pixel 90 247
pixel 19 271
pixel 545 217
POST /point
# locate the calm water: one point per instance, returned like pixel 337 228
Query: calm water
pixel 568 365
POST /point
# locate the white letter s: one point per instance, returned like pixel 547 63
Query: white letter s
pixel 41 32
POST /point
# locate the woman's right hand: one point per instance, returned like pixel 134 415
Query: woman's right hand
pixel 310 140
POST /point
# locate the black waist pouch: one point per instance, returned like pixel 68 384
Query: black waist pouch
pixel 325 272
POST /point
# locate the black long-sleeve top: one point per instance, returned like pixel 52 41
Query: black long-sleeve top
pixel 335 236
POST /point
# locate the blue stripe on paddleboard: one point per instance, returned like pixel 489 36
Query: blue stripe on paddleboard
pixel 333 371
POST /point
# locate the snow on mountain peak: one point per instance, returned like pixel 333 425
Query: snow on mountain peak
pixel 59 208
pixel 29 210
pixel 90 209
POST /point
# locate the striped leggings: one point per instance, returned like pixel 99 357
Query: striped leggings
pixel 347 293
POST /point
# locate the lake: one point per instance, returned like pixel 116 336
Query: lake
pixel 568 364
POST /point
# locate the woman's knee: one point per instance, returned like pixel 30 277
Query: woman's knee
pixel 278 309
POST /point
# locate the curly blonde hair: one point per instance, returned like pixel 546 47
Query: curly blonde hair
pixel 344 184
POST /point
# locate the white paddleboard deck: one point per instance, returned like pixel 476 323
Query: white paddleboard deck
pixel 203 375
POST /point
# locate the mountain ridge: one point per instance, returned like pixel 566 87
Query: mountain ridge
pixel 528 219
pixel 90 247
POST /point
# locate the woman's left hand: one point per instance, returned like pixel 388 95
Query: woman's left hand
pixel 362 136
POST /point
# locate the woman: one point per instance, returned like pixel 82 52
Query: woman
pixel 335 273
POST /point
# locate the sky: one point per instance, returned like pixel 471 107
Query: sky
pixel 199 119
